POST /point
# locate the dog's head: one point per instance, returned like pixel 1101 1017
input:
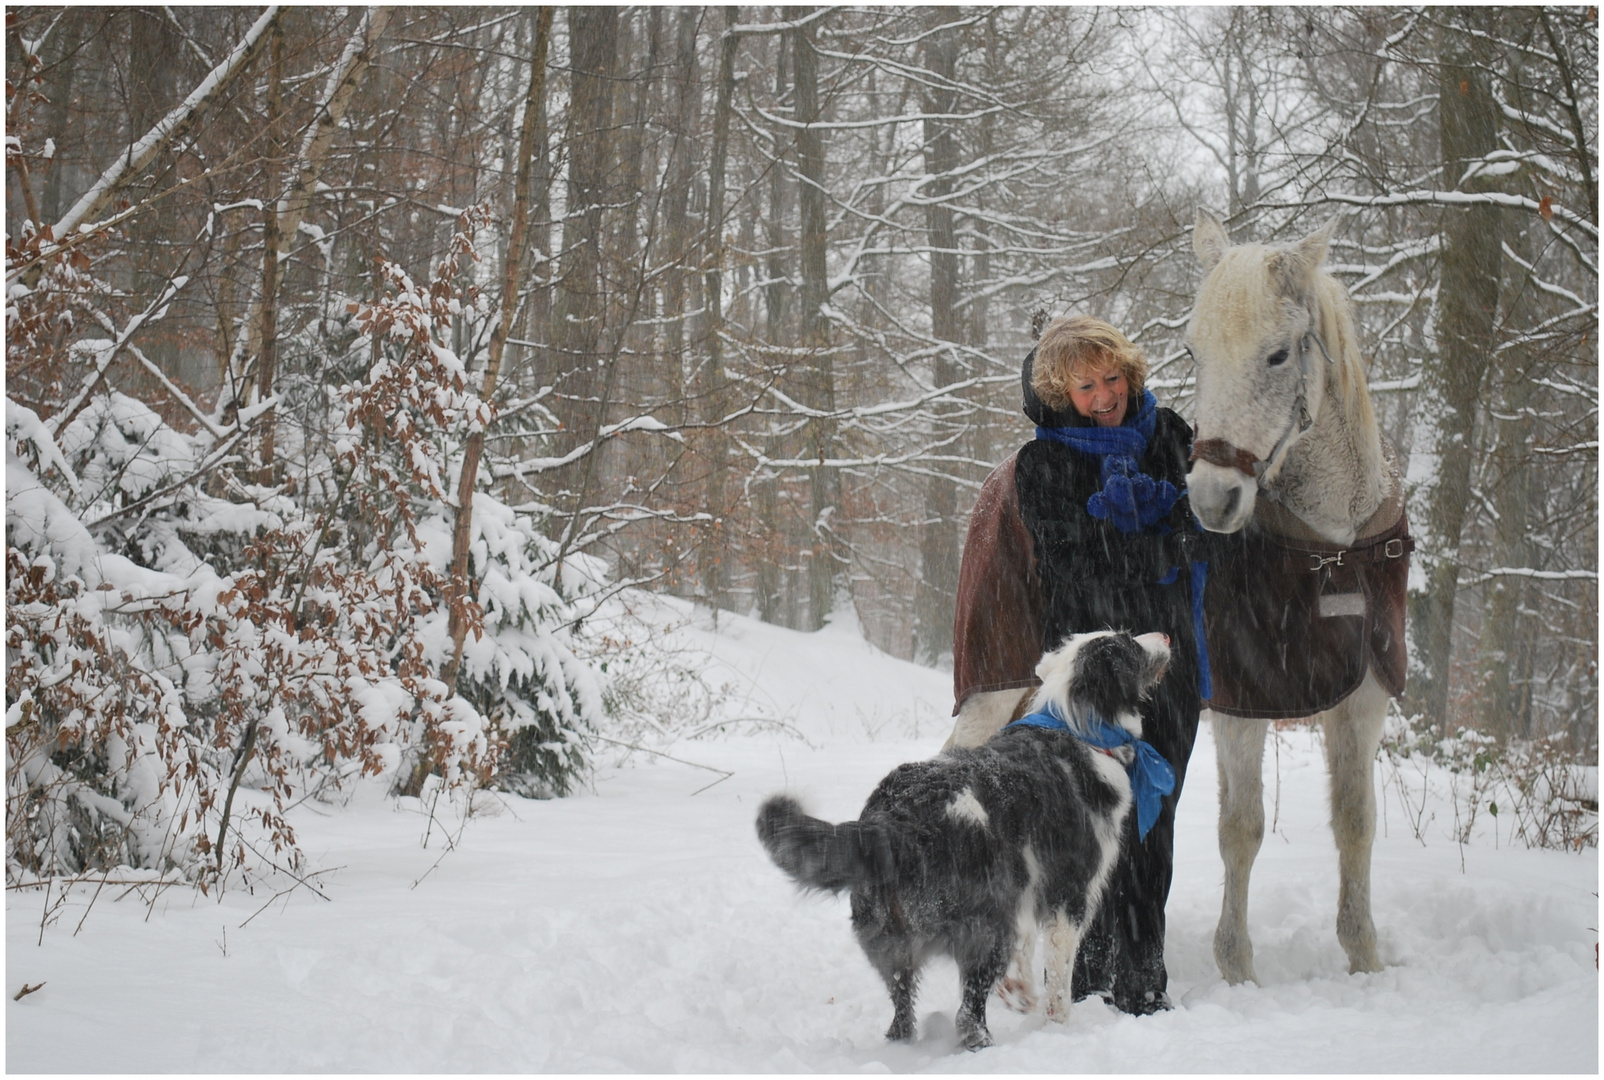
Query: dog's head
pixel 1103 674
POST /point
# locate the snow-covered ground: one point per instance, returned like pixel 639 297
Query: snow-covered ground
pixel 638 926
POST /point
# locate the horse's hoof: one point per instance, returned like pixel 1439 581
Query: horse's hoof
pixel 1239 976
pixel 1366 965
pixel 1235 960
pixel 900 1031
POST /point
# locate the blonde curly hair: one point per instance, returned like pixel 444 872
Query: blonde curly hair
pixel 1073 347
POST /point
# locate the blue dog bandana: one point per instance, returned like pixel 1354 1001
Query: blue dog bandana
pixel 1152 777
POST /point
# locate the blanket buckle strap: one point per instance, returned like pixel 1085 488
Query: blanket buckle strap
pixel 1317 562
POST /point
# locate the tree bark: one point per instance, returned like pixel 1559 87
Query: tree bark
pixel 511 281
pixel 1466 313
pixel 715 551
pixel 819 389
pixel 779 535
pixel 267 327
pixel 684 96
pixel 938 549
pixel 581 296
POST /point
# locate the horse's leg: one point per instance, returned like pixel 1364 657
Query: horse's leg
pixel 1239 751
pixel 1352 732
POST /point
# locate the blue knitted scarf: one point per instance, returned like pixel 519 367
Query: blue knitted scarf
pixel 1130 498
pixel 1152 777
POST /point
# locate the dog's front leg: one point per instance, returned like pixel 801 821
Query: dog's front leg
pixel 1018 986
pixel 1063 941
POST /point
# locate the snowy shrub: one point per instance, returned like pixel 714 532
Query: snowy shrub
pixel 97 734
pixel 190 653
pixel 537 696
pixel 1533 791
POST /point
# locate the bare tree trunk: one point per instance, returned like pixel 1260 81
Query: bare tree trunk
pixel 825 483
pixel 267 329
pixel 771 589
pixel 290 209
pixel 512 280
pixel 715 551
pixel 938 548
pixel 581 295
pixel 1499 697
pixel 684 97
pixel 1467 303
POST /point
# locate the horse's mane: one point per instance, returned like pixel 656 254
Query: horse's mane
pixel 1334 312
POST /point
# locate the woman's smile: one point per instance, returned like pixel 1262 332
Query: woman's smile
pixel 1100 396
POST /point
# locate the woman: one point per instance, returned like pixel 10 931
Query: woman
pixel 1087 528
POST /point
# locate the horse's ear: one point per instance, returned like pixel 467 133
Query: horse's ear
pixel 1296 266
pixel 1208 239
pixel 1312 248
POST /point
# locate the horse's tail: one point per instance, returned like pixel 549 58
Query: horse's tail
pixel 819 855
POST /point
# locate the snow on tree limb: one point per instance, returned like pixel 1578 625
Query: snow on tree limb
pixel 109 351
pixel 136 157
pixel 1462 198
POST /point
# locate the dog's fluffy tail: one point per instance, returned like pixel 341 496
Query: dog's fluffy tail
pixel 819 855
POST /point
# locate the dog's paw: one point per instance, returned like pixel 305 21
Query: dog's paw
pixel 975 1038
pixel 1018 993
pixel 1153 1001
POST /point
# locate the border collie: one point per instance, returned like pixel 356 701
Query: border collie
pixel 968 853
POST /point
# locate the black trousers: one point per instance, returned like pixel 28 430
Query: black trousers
pixel 1122 954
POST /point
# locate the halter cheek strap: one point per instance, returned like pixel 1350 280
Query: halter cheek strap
pixel 1227 455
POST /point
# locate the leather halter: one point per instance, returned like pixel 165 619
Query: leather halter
pixel 1227 455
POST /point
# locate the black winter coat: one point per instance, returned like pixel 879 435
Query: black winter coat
pixel 1092 576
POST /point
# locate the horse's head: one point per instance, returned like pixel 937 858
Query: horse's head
pixel 1259 360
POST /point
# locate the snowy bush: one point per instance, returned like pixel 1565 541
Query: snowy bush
pixel 190 652
pixel 1533 791
pixel 538 698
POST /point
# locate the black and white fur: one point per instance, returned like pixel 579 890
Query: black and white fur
pixel 970 852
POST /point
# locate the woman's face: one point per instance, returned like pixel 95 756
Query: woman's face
pixel 1100 394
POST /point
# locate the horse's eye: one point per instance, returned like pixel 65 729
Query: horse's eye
pixel 1278 358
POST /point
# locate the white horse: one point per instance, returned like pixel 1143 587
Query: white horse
pixel 1287 440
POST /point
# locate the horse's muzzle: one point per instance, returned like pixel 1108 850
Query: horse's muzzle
pixel 1222 496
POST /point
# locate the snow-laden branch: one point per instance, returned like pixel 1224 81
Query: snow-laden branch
pixel 1463 198
pixel 1528 572
pixel 756 29
pixel 137 156
pixel 882 121
pixel 1560 451
pixel 337 93
pixel 107 351
pixel 1546 286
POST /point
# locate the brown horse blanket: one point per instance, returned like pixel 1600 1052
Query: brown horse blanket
pixel 1292 622
pixel 997 620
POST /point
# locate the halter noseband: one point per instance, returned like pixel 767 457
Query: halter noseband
pixel 1227 455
